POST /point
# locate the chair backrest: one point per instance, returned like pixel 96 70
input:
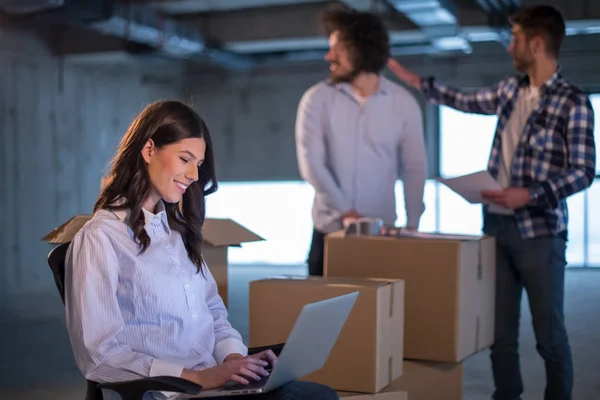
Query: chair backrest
pixel 56 261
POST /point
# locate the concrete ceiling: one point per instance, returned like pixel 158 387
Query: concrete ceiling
pixel 245 33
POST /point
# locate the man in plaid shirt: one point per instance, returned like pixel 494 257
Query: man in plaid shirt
pixel 543 152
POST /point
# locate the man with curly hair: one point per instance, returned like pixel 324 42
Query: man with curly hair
pixel 355 130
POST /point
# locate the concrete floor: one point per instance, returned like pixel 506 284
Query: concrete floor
pixel 36 360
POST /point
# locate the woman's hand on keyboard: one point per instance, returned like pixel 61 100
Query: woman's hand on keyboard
pixel 241 370
pixel 266 355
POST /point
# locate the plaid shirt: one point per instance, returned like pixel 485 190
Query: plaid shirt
pixel 556 154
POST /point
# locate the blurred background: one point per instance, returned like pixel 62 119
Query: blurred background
pixel 74 73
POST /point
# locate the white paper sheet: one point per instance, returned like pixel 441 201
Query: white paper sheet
pixel 470 186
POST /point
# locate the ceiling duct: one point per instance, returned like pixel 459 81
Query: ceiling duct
pixel 29 6
pixel 143 25
pixel 498 13
pixel 56 11
pixel 134 23
pixel 437 19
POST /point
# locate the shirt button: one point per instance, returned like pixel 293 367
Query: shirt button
pixel 194 315
pixel 187 285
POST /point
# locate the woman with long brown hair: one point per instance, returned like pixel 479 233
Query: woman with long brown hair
pixel 140 301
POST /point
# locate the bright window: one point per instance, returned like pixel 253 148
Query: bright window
pixel 576 243
pixel 465 141
pixel 593 223
pixel 465 144
pixel 280 212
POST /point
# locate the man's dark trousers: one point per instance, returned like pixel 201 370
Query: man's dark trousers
pixel 538 266
pixel 316 255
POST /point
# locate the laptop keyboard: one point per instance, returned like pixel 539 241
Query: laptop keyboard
pixel 241 386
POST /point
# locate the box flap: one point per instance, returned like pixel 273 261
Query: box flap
pixel 226 232
pixel 66 231
pixel 216 232
pixel 329 281
pixel 440 236
pixel 411 236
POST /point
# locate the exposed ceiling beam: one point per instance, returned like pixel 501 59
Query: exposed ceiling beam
pixel 76 41
pixel 141 25
pixel 297 21
pixel 312 44
pixel 438 20
pixel 258 23
pixel 179 7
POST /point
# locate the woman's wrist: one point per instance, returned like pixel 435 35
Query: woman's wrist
pixel 233 356
pixel 191 375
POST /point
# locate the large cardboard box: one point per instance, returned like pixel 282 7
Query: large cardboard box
pixel 368 353
pixel 218 234
pixel 450 287
pixel 421 380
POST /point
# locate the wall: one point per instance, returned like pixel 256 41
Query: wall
pixel 60 122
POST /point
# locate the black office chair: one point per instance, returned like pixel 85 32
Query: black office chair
pixel 135 389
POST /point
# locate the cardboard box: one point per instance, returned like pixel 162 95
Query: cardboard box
pixel 450 287
pixel 421 380
pixel 219 235
pixel 368 353
pixel 398 395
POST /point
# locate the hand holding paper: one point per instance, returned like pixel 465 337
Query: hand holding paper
pixel 481 187
pixel 509 198
pixel 471 186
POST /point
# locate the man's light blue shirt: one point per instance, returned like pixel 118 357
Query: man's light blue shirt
pixel 350 151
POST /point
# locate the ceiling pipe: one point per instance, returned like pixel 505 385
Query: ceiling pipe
pixel 131 22
pixel 437 19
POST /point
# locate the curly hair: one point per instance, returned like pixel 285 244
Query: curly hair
pixel 365 35
pixel 128 184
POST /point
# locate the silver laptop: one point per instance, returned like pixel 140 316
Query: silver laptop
pixel 307 348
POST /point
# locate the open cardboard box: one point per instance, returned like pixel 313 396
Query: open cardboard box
pixel 219 234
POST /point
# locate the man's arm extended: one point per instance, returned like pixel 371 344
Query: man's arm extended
pixel 482 101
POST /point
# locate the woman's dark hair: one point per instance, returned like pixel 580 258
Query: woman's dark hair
pixel 127 186
pixel 542 20
pixel 364 33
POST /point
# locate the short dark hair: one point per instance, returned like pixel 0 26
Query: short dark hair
pixel 165 122
pixel 364 33
pixel 542 20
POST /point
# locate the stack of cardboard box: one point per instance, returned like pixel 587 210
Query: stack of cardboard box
pixel 426 303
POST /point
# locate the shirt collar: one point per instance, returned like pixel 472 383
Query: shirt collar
pixel 384 86
pixel 547 87
pixel 160 212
